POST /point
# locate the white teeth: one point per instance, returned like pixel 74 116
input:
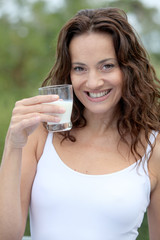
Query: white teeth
pixel 97 95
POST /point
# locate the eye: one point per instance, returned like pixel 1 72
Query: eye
pixel 107 67
pixel 78 69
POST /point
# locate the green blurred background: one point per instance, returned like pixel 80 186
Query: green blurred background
pixel 28 35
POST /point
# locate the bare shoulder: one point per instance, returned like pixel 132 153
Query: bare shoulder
pixel 36 142
pixel 41 135
pixel 154 163
pixel 156 154
pixel 33 150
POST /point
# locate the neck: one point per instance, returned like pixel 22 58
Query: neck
pixel 100 124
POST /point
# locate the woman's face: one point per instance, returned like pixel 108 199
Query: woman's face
pixel 95 74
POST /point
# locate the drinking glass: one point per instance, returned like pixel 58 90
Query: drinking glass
pixel 65 100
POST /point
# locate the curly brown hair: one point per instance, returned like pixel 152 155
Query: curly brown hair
pixel 139 104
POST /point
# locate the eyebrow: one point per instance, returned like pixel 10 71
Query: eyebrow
pixel 79 63
pixel 100 62
pixel 106 60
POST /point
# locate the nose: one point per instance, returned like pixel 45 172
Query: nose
pixel 94 80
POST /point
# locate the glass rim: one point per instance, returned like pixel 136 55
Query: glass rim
pixel 55 86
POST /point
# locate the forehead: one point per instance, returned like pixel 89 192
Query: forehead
pixel 89 46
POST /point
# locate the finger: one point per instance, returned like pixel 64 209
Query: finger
pixel 33 118
pixel 37 100
pixel 20 128
pixel 39 108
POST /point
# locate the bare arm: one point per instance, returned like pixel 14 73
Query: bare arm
pixel 10 211
pixel 154 214
pixel 19 164
pixel 154 207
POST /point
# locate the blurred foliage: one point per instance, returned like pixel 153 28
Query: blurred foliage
pixel 28 42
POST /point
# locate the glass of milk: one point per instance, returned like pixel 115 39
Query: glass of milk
pixel 65 100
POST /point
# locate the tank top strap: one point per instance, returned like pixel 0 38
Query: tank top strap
pixel 50 137
pixel 48 143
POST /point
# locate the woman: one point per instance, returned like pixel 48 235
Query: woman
pixel 97 180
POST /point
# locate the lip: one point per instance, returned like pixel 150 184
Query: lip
pixel 98 99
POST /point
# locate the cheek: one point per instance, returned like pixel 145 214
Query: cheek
pixel 75 85
pixel 76 81
pixel 73 79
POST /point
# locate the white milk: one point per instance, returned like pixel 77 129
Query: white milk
pixel 65 117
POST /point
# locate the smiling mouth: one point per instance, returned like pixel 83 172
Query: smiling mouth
pixel 99 94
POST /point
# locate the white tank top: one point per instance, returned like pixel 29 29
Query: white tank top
pixel 68 205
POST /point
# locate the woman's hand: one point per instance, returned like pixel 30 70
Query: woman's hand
pixel 26 116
